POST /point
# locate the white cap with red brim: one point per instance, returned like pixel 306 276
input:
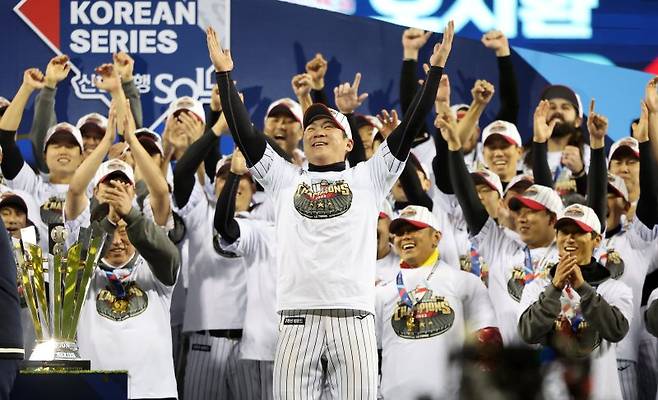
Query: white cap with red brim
pixel 617 185
pixel 488 178
pixel 523 178
pixel 538 197
pixel 319 110
pixel 64 128
pixel 150 140
pixel 92 118
pixel 113 166
pixel 502 128
pixel 417 216
pixel 385 210
pixel 288 106
pixel 582 216
pixel 629 144
pixel 190 104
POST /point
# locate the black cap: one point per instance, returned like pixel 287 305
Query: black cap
pixel 14 201
pixel 562 92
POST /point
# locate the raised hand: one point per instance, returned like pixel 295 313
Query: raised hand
pixel 496 41
pixel 388 121
pixel 57 70
pixel 317 69
pixel 302 85
pixel 238 163
pixel 108 79
pixel 572 159
pixel 641 129
pixel 33 78
pixel 221 58
pixel 191 125
pixel 482 91
pixel 651 95
pixel 124 65
pixel 443 94
pixel 119 196
pixel 446 122
pixel 542 131
pixel 563 271
pixel 597 125
pixel 442 50
pixel 413 40
pixel 347 96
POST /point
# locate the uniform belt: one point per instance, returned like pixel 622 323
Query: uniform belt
pixel 223 333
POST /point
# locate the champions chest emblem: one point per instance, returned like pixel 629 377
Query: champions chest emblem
pixel 51 210
pixel 431 316
pixel 323 199
pixel 118 309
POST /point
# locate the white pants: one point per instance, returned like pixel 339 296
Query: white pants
pixel 345 339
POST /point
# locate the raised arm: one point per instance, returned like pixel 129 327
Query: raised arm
pixel 225 222
pixel 12 160
pixel 541 132
pixel 400 141
pixel 316 69
pixel 509 96
pixel 301 86
pixel 347 100
pixel 648 201
pixel 597 177
pixel 124 65
pixel 413 189
pixel 213 155
pixel 440 165
pixel 482 93
pixel 413 40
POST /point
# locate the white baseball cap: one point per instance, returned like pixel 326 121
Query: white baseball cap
pixel 484 176
pixel 4 102
pixel 628 143
pixel 617 185
pixel 537 197
pixel 286 106
pixel 503 128
pixel 319 110
pixel 518 179
pixel 90 121
pixel 111 167
pixel 150 140
pixel 582 216
pixel 64 128
pixel 385 210
pixel 459 107
pixel 418 216
pixel 190 104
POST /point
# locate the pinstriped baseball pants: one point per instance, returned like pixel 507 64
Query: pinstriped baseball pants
pixel 344 339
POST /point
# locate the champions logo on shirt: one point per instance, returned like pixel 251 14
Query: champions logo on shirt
pixel 573 336
pixel 323 199
pixel 431 316
pixel 516 283
pixel 52 210
pixel 118 309
pixel 481 270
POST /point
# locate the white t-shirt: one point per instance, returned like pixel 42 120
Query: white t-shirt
pixel 416 354
pixel 605 379
pixel 133 335
pixel 387 267
pixel 507 260
pixel 257 246
pixel 329 222
pixel 217 286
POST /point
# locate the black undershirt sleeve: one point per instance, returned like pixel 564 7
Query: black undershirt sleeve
pixel 213 155
pixel 400 141
pixel 474 212
pixel 187 166
pixel 358 152
pixel 12 159
pixel 648 201
pixel 408 87
pixel 540 169
pixel 319 96
pixel 440 166
pixel 597 185
pixel 509 96
pixel 581 185
pixel 413 189
pixel 225 222
pixel 251 142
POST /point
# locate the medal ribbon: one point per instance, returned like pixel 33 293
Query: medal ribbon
pixel 475 261
pixel 402 290
pixel 578 314
pixel 527 268
pixel 117 276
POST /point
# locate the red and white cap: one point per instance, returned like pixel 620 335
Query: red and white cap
pixel 64 128
pixel 286 106
pixel 525 179
pixel 484 176
pixel 93 119
pixel 113 166
pixel 4 102
pixel 385 210
pixel 505 129
pixel 418 216
pixel 628 144
pixel 319 110
pixel 151 141
pixel 617 186
pixel 538 197
pixel 582 216
pixel 190 104
pixel 459 107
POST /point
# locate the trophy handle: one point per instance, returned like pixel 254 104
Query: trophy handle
pixel 39 284
pixel 29 290
pixel 70 279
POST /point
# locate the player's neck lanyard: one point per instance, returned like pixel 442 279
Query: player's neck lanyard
pixel 117 276
pixel 528 268
pixel 475 261
pixel 558 172
pixel 578 314
pixel 402 290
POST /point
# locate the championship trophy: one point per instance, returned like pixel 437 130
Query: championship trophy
pixel 55 296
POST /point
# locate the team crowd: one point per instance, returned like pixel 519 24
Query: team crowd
pixel 336 255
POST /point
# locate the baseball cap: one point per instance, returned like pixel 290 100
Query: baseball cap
pixel 617 186
pixel 10 199
pixel 488 178
pixel 93 122
pixel 627 145
pixel 537 197
pixel 187 103
pixel 64 129
pixel 367 120
pixel 503 128
pixel 582 216
pixel 563 92
pixel 319 110
pixel 523 182
pixel 385 210
pixel 4 103
pixel 285 106
pixel 111 167
pixel 418 216
pixel 151 141
pixel 459 107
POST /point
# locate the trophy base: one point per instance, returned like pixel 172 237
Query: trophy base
pixel 56 354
